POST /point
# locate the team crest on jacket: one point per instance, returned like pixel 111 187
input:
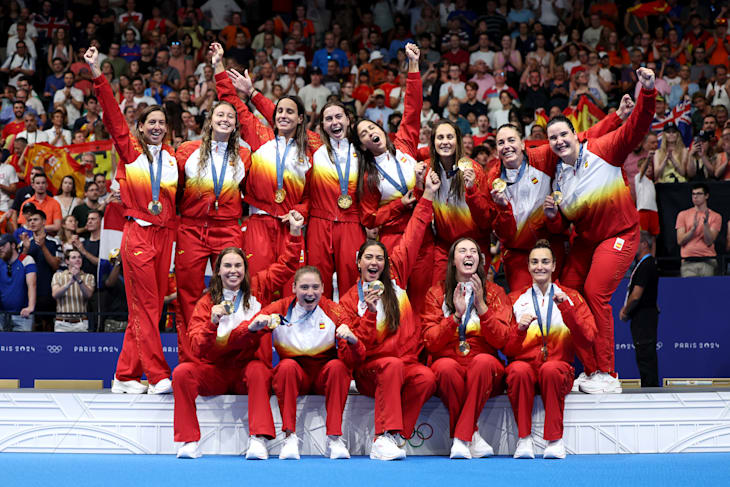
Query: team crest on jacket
pixel 321 325
pixel 535 180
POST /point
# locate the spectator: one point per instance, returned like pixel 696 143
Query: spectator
pixel 70 98
pixel 157 88
pixel 646 198
pixel 219 11
pixel 130 17
pixel 66 196
pixel 670 161
pixel 697 229
pixel 101 183
pixel 453 88
pixel 17 125
pixel 26 192
pixel 228 34
pixel 593 33
pixel 471 104
pixel 482 78
pixel 291 82
pixel 700 72
pixel 534 95
pixel 722 169
pixel 507 59
pixel 170 75
pixel 54 81
pixel 268 27
pixel 428 116
pixel 380 112
pixel 57 135
pixel 715 45
pixel 497 118
pixel 67 234
pixel 492 96
pixel 452 113
pixel 82 73
pixel 330 51
pixel 130 50
pixel 455 54
pixel 43 250
pixel 28 211
pixel 641 307
pixel 43 201
pixel 19 63
pixel 8 186
pixel 180 62
pixel 267 78
pixel 72 289
pixel 89 247
pixel 17 287
pixel 21 36
pixel 496 23
pixel 91 202
pixel 314 95
pixel 717 90
pixel 699 161
pixel 87 124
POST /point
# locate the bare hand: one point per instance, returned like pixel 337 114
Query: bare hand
pixel 470 177
pixel 433 183
pixel 371 297
pixel 625 107
pixel 549 207
pixel 296 222
pixel 261 322
pixel 343 332
pixel 412 52
pixel 216 312
pixel 91 56
pixel 460 300
pixel 623 316
pixel 478 290
pixel 499 197
pixel 560 297
pixel 408 199
pixel 420 172
pixel 525 321
pixel 216 53
pixel 646 78
pixel 242 82
pixel 25 312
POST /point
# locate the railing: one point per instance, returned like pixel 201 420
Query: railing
pixel 43 320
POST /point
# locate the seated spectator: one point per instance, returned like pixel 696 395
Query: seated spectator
pixel 378 112
pixel 697 228
pixel 452 113
pixel 17 287
pixel 43 250
pixel 72 288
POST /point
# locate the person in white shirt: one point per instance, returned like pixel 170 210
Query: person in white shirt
pixel 70 97
pixel 21 36
pixel 717 91
pixel 483 54
pixel 290 82
pixel 315 93
pixel 18 64
pixel 592 34
pixel 219 11
pixel 57 135
pixel 31 132
pixel 453 88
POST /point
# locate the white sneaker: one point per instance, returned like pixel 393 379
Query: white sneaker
pixel 290 448
pixel 479 448
pixel 257 449
pixel 337 448
pixel 128 387
pixel 385 448
pixel 162 387
pixel 578 381
pixel 554 449
pixel 524 448
pixel 459 449
pixel 601 383
pixel 189 450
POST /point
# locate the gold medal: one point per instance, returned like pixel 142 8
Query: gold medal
pixel 463 348
pixel 113 254
pixel 280 195
pixel 275 321
pixel 227 306
pixel 154 207
pixel 344 201
pixel 544 352
pixel 377 286
pixel 557 197
pixel 499 185
pixel 464 164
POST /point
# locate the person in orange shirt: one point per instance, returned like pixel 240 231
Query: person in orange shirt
pixel 228 34
pixel 43 202
pixel 718 46
pixel 697 230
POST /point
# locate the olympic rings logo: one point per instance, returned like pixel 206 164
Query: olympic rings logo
pixel 423 432
pixel 54 348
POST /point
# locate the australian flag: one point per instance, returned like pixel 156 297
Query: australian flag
pixel 680 115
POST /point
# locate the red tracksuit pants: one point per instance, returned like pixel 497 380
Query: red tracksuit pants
pixel 332 247
pixel 400 390
pixel 190 380
pixel 265 239
pixel 196 245
pixel 465 390
pixel 596 270
pixel 441 258
pixel 554 379
pixel 293 378
pixel 146 254
pixel 420 279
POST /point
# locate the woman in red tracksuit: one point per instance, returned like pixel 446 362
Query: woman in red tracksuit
pixel 391 332
pixel 467 319
pixel 148 178
pixel 553 321
pixel 211 173
pixel 318 352
pixel 452 217
pixel 598 203
pixel 387 183
pixel 280 161
pixel 330 200
pixel 226 352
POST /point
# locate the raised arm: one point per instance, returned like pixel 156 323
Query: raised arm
pixel 406 138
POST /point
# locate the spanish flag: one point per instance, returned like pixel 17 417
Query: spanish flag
pixel 541 117
pixel 57 163
pixel 584 115
pixel 657 7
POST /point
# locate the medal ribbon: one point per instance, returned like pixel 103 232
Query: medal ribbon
pixel 281 163
pixel 237 301
pixel 218 182
pixel 465 318
pixel 520 173
pixel 549 316
pixel 559 169
pixel 343 181
pixel 303 318
pixel 156 180
pixel 403 186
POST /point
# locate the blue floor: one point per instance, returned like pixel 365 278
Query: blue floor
pixel 49 470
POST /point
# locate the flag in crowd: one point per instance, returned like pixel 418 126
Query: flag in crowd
pixel 656 7
pixel 584 114
pixel 681 117
pixel 57 163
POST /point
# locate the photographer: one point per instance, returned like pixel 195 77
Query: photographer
pixel 699 164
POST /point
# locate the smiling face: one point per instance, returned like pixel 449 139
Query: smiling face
pixel 232 271
pixel 287 117
pixel 74 259
pixel 371 263
pixel 563 141
pixel 335 122
pixel 510 147
pixel 445 140
pixel 308 290
pixel 372 137
pixel 541 265
pixel 154 127
pixel 223 121
pixel 466 259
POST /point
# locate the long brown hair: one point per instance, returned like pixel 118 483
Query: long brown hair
pixel 390 299
pixel 300 134
pixel 205 142
pixel 451 281
pixel 367 173
pixel 325 136
pixel 216 284
pixel 140 136
pixel 457 182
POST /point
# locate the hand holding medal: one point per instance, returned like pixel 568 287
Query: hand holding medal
pixel 550 207
pixel 467 170
pixel 372 293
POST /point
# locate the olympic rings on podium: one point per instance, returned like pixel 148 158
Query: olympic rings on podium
pixel 423 432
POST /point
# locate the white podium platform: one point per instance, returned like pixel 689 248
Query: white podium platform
pixel 84 422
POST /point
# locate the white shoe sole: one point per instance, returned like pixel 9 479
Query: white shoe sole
pixel 120 387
